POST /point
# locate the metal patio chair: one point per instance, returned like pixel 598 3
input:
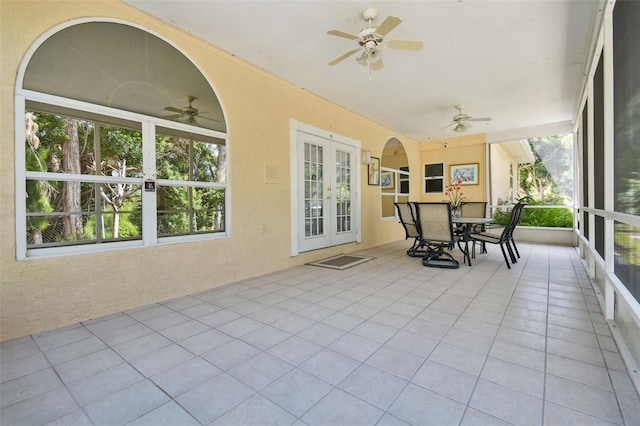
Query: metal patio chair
pixel 407 216
pixel 505 239
pixel 436 234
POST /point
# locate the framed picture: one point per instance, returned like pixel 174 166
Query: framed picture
pixel 374 171
pixel 386 180
pixel 468 173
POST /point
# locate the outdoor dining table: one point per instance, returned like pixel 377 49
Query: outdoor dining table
pixel 466 224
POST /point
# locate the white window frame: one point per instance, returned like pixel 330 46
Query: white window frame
pixel 433 178
pixel 399 175
pixel 149 223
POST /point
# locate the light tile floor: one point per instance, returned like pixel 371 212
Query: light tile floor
pixel 388 342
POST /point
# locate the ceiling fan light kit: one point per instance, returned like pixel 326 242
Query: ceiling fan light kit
pixel 371 38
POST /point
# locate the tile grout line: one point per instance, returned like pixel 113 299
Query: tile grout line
pixel 546 346
pixel 504 313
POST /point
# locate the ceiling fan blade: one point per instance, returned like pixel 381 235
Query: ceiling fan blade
pixel 449 125
pixel 377 65
pixel 173 109
pixel 171 117
pixel 342 34
pixel 207 118
pixel 388 24
pixel 343 57
pixel 480 119
pixel 405 44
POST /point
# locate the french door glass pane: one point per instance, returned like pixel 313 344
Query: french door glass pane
pixel 313 190
pixel 343 191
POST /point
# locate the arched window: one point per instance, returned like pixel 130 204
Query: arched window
pixel 394 176
pixel 124 144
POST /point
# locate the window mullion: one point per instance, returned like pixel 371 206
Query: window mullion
pixel 149 199
pixel 98 199
pixel 191 212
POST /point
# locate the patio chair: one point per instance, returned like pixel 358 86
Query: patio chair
pixel 436 234
pixel 505 239
pixel 475 209
pixel 407 216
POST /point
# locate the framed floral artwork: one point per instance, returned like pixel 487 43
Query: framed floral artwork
pixel 467 174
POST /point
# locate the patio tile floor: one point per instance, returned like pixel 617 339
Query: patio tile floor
pixel 388 342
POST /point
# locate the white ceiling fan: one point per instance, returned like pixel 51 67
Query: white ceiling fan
pixel 371 38
pixel 460 121
pixel 189 113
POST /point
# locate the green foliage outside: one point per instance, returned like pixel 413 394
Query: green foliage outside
pixel 628 200
pixel 556 217
pixel 118 153
pixel 548 181
pixel 184 210
pixel 129 226
pixel 627 243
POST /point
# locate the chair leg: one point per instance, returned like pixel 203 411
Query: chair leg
pixel 515 247
pixel 437 257
pixel 504 254
pixel 414 250
pixel 511 254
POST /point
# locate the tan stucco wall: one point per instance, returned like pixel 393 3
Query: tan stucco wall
pixel 501 162
pixel 459 150
pixel 40 294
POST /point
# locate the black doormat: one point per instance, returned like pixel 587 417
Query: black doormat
pixel 342 261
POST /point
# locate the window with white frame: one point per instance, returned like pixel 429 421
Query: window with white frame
pixel 84 180
pixel 104 163
pixel 433 178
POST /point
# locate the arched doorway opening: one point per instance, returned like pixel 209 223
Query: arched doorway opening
pixel 394 176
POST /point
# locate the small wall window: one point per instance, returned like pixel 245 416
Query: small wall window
pixel 433 178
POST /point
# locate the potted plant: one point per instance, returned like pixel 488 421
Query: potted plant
pixel 456 198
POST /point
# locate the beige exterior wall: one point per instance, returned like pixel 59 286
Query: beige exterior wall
pixel 459 150
pixel 500 164
pixel 40 294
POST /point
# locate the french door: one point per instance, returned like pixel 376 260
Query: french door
pixel 327 208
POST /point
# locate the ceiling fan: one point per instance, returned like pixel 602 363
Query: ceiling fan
pixel 371 38
pixel 460 120
pixel 189 113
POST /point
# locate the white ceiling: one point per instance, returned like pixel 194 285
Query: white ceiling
pixel 520 62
